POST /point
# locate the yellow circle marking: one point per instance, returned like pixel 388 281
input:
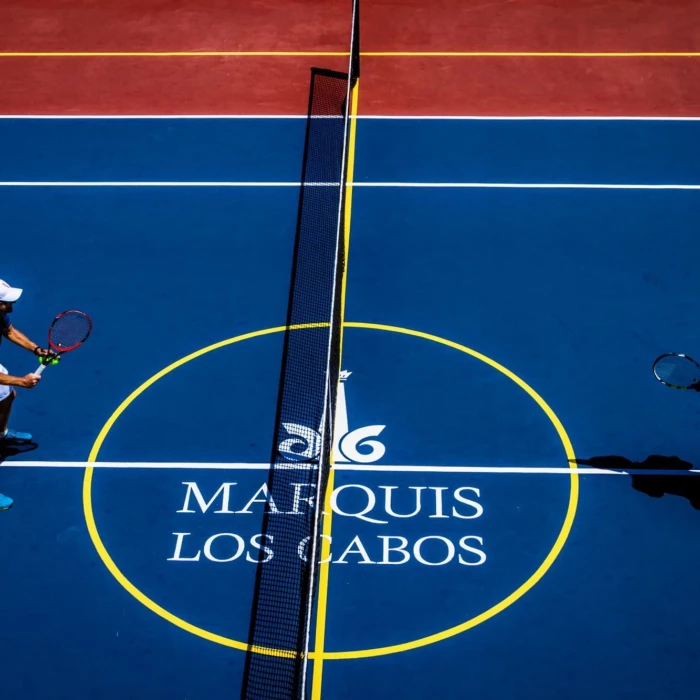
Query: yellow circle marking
pixel 359 653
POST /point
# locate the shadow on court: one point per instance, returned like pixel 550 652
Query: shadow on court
pixel 656 484
pixel 14 449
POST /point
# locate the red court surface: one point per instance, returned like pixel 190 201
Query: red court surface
pixel 660 79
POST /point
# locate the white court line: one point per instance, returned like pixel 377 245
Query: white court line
pixel 361 117
pixel 151 465
pixel 265 466
pixel 127 183
pixel 530 185
pixel 433 185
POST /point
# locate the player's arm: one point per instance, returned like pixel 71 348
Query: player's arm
pixel 18 338
pixel 28 382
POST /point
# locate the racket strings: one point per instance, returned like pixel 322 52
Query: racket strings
pixel 68 330
pixel 678 370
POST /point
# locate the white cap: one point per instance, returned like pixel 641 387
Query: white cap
pixel 7 293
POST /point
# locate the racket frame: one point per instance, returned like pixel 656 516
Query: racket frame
pixel 60 351
pixel 693 387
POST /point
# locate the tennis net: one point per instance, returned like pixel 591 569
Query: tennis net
pixel 285 589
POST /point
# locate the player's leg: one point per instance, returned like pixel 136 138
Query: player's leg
pixel 7 396
pixel 5 409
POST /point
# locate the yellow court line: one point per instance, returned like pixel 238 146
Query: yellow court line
pixel 322 608
pixel 373 54
pixel 532 54
pixel 348 205
pixel 324 568
pixel 350 654
pixel 162 54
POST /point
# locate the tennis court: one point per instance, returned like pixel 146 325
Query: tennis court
pixel 514 502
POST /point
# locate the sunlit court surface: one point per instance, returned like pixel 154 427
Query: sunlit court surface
pixel 367 409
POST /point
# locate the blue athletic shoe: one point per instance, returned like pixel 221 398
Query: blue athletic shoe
pixel 5 502
pixel 17 436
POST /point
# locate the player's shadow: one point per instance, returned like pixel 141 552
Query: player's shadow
pixel 13 449
pixel 658 483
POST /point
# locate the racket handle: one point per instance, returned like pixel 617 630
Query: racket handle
pixel 39 370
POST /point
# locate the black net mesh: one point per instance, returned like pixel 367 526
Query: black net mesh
pixel 355 45
pixel 281 619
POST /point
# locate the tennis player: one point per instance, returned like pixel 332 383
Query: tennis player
pixel 8 296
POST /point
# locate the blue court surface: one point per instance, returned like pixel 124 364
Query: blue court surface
pixel 523 522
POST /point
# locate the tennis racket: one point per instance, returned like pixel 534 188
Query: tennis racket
pixel 677 370
pixel 68 331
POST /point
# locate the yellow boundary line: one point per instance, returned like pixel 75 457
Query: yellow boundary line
pixel 533 54
pixel 322 607
pixel 369 54
pixel 349 654
pixel 348 205
pixel 162 54
pixel 324 568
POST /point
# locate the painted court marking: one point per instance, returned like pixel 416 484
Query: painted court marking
pixel 233 466
pixel 445 185
pixel 563 533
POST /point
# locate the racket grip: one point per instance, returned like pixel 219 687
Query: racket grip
pixel 39 370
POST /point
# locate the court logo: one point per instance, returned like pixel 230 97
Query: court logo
pixel 381 505
pixel 304 443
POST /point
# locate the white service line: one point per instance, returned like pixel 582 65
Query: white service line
pixel 565 471
pixel 530 185
pixel 433 185
pixel 495 118
pixel 144 465
pixel 265 466
pixel 128 183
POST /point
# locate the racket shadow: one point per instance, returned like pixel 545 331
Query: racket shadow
pixel 657 483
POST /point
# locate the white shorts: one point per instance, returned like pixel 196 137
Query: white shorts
pixel 5 390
